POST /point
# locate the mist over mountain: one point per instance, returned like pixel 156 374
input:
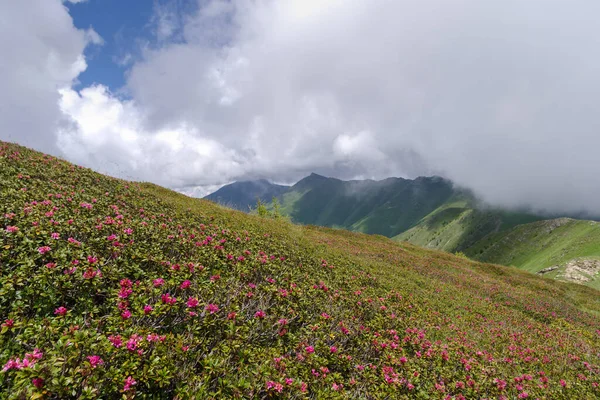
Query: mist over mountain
pixel 387 207
pixel 435 213
pixel 244 195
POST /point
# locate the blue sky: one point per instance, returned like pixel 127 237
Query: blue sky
pixel 127 27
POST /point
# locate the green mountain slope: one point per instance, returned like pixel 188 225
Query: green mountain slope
pixel 385 207
pixel 243 196
pixel 459 224
pixel 116 289
pixel 571 245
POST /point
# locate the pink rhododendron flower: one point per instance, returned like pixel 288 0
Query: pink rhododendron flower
pixel 158 282
pixel 129 383
pixel 278 387
pixel 212 308
pixel 185 284
pixel 44 249
pixel 38 382
pixel 260 314
pixel 116 341
pixel 95 361
pixel 13 363
pixel 148 309
pixel 168 299
pixel 12 229
pixel 60 311
pixel 192 302
pixel 309 349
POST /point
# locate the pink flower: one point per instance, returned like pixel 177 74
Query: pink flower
pixel 132 342
pixel 125 292
pixel 185 284
pixel 168 299
pixel 12 229
pixel 309 349
pixel 116 341
pixel 60 311
pixel 231 315
pixel 126 314
pixel 95 361
pixel 282 321
pixel 215 278
pixel 148 309
pixel 289 381
pixel 128 231
pixel 13 363
pixel 158 282
pixel 36 355
pixel 129 383
pixel 55 235
pixel 278 387
pixel 333 349
pixel 44 249
pixel 9 323
pixel 260 314
pixel 563 383
pixel 192 302
pixel 212 308
pixel 38 382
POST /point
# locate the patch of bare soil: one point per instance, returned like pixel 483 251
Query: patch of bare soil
pixel 580 270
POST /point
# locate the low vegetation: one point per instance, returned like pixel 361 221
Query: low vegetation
pixel 117 289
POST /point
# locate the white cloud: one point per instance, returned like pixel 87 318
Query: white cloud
pixel 492 95
pixel 42 51
pixel 106 133
pixel 498 96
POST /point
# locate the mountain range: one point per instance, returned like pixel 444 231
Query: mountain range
pixel 433 212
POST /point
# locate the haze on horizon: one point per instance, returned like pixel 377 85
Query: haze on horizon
pixel 498 96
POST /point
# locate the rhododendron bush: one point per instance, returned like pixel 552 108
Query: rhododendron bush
pixel 116 289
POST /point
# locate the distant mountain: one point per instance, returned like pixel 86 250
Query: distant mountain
pixel 244 195
pixel 432 212
pixel 385 207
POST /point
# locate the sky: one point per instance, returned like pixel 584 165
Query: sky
pixel 499 96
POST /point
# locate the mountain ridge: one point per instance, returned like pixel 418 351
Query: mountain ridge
pixel 427 211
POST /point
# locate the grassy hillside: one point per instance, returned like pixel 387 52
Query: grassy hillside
pixel 385 207
pixel 544 244
pixel 117 289
pixel 459 224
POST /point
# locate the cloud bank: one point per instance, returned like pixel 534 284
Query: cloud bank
pixel 498 96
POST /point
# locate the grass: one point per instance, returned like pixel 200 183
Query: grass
pixel 543 244
pixel 116 289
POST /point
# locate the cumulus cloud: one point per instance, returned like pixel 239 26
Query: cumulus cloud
pixel 42 52
pixel 38 57
pixel 498 96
